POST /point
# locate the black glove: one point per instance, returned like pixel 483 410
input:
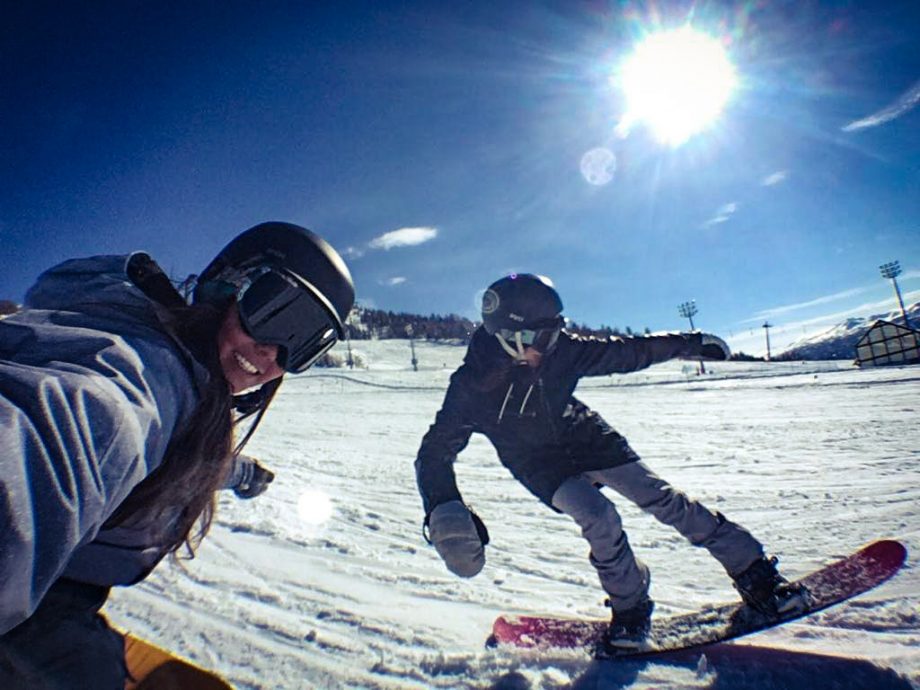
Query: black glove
pixel 255 480
pixel 713 347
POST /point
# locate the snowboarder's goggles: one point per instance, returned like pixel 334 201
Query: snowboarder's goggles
pixel 541 339
pixel 277 309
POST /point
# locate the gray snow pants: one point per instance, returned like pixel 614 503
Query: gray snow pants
pixel 623 577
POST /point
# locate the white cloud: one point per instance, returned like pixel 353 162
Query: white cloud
pixel 843 294
pixel 776 311
pixel 774 178
pixel 906 101
pixel 404 237
pixel 396 280
pixel 862 310
pixel 723 214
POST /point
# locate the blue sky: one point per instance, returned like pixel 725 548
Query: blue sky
pixel 439 146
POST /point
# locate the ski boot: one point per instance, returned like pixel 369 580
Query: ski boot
pixel 628 629
pixel 763 589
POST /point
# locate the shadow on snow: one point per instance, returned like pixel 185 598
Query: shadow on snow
pixel 734 667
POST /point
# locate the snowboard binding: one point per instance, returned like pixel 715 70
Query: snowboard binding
pixel 628 629
pixel 766 591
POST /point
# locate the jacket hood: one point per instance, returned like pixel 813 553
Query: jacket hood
pixel 78 284
pixel 99 288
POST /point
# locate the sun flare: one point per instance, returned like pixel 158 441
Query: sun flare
pixel 676 82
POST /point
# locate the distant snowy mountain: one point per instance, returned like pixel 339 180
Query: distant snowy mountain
pixel 839 342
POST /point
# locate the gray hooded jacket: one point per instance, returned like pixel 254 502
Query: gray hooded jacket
pixel 92 387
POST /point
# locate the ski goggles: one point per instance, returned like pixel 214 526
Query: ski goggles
pixel 540 339
pixel 541 336
pixel 276 309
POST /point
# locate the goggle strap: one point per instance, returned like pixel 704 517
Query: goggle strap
pixel 505 346
pixel 519 343
pixel 517 354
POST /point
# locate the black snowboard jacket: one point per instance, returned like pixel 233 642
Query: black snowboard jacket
pixel 542 433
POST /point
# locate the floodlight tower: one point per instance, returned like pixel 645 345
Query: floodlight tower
pixel 766 328
pixel 892 270
pixel 688 310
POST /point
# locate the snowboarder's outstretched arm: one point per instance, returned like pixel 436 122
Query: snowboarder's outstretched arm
pixel 591 356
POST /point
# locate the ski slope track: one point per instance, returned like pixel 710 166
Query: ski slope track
pixel 815 458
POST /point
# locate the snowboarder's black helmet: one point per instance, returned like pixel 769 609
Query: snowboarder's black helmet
pixel 521 301
pixel 292 287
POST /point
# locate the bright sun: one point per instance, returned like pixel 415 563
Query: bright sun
pixel 676 82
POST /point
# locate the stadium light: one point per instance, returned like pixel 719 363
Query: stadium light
pixel 892 270
pixel 688 310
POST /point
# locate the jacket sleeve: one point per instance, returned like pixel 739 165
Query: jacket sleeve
pixel 589 356
pixel 75 437
pixel 434 464
pixel 70 454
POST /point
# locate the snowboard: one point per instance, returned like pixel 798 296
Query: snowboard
pixel 858 573
pixel 153 668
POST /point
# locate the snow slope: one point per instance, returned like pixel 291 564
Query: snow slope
pixel 814 458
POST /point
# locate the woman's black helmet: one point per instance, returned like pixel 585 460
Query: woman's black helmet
pixel 521 301
pixel 292 287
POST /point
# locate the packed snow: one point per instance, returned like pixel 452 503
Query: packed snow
pixel 325 580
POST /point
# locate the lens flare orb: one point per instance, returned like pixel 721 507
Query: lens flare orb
pixel 314 507
pixel 598 166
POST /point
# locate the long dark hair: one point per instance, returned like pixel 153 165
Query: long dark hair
pixel 181 491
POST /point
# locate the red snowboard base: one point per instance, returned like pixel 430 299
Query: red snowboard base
pixel 837 582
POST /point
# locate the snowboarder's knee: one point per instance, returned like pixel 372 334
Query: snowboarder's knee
pixel 583 502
